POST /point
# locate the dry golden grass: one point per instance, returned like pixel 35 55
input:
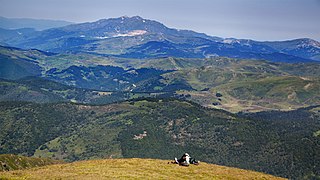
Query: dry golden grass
pixel 133 169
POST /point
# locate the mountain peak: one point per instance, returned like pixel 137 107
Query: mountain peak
pixel 128 17
pixel 310 42
pixel 137 17
pixel 117 27
pixel 302 43
pixel 125 18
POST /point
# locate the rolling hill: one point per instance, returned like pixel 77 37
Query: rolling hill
pixel 133 169
pixel 249 85
pixel 18 68
pixel 246 85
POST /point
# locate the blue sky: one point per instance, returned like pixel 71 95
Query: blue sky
pixel 253 19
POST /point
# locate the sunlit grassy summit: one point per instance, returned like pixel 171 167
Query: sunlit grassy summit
pixel 133 169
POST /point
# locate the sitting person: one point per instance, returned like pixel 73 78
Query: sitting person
pixel 185 160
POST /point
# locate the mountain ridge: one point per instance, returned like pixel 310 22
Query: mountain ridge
pixel 37 24
pixel 117 36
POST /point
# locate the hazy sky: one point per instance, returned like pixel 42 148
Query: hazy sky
pixel 254 19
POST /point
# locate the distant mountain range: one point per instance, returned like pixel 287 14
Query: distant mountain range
pixel 135 37
pixel 37 24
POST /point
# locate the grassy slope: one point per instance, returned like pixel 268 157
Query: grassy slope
pixel 133 169
pixel 283 93
pixel 13 162
pixel 251 85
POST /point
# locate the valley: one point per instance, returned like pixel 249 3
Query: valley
pixel 243 85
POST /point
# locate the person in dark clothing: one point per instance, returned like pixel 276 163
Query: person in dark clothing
pixel 185 160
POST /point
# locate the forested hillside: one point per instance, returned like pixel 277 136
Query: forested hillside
pixel 280 143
